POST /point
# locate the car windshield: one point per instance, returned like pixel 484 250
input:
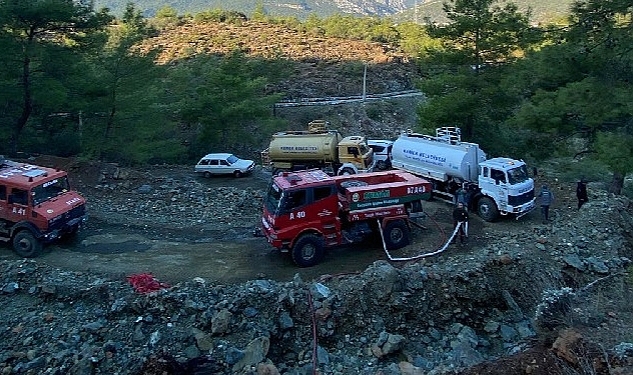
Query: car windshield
pixel 50 189
pixel 518 174
pixel 232 159
pixel 273 198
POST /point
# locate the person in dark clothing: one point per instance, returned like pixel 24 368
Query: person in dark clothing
pixel 547 197
pixel 461 196
pixel 460 215
pixel 581 192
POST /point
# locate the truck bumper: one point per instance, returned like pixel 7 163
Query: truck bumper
pixel 271 235
pixel 72 226
pixel 524 209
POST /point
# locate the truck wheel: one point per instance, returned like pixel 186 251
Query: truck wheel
pixel 26 245
pixel 487 209
pixel 308 250
pixel 346 171
pixel 237 174
pixel 396 234
pixel 381 165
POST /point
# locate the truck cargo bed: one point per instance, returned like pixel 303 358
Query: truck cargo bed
pixel 381 189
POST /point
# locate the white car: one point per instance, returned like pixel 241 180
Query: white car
pixel 222 164
pixel 382 153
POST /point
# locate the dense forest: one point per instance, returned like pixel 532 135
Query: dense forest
pixel 75 81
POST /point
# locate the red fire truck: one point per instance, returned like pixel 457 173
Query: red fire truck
pixel 307 211
pixel 37 206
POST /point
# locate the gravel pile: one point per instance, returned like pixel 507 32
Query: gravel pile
pixel 185 201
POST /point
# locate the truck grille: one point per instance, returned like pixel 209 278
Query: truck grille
pixel 518 200
pixel 75 213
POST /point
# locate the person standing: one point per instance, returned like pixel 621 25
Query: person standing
pixel 581 192
pixel 461 196
pixel 546 197
pixel 460 217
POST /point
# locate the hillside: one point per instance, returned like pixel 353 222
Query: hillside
pixel 541 11
pixel 320 67
pixel 401 9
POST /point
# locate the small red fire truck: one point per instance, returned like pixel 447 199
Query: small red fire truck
pixel 37 206
pixel 307 211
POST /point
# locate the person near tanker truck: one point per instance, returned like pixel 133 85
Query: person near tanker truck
pixel 460 219
pixel 547 198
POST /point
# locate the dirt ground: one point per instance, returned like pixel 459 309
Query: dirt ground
pixel 174 256
pixel 118 245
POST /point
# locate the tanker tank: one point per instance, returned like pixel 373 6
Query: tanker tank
pixel 436 158
pixel 305 145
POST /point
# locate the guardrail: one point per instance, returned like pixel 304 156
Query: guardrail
pixel 346 99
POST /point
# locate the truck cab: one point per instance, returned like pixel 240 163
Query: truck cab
pixel 506 188
pixel 37 206
pixel 354 155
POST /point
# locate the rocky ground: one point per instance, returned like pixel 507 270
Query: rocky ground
pixel 523 297
pixel 167 278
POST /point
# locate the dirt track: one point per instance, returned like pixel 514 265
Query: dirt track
pixel 120 244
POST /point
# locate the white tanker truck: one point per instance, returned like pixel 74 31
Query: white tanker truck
pixel 498 186
pixel 318 147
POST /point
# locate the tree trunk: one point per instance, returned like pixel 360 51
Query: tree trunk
pixel 617 183
pixel 27 105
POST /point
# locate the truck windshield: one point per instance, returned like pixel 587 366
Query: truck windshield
pixel 364 149
pixel 50 189
pixel 518 174
pixel 273 198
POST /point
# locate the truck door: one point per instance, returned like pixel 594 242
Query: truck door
pixel 501 186
pixel 17 205
pixel 294 204
pixel 325 200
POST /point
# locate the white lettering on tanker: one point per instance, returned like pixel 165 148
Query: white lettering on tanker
pixel 424 157
pixel 383 202
pixel 299 149
pixel 415 189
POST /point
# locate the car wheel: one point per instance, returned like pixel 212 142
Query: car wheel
pixel 308 250
pixel 207 174
pixel 26 245
pixel 237 174
pixel 487 209
pixel 396 234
